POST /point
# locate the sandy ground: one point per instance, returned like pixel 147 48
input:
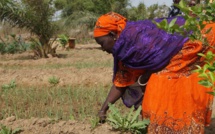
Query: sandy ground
pixel 47 126
pixel 34 75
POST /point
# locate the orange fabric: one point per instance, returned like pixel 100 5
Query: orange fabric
pixel 126 76
pixel 174 101
pixel 176 105
pixel 109 22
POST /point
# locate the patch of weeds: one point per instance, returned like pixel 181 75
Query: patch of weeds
pixel 6 130
pixel 129 122
pixel 54 80
pixel 11 85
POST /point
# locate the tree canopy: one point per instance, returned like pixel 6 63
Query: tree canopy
pixel 34 15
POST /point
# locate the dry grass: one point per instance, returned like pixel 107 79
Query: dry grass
pixel 85 75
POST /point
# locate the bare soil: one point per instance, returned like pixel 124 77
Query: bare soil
pixel 36 76
pixel 48 126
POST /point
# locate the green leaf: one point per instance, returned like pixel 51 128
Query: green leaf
pixel 172 23
pixel 212 93
pixel 140 124
pixel 212 76
pixel 203 75
pixel 205 67
pixel 111 119
pixel 136 115
pixel 205 83
pixel 182 4
pixel 208 30
pixel 163 24
pixel 130 113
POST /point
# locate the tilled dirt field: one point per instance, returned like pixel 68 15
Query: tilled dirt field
pixel 48 126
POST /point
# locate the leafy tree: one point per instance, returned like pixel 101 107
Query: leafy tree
pixel 86 12
pixel 155 11
pixel 142 12
pixel 96 6
pixel 60 4
pixel 161 11
pixel 34 15
pixel 120 6
pixel 138 13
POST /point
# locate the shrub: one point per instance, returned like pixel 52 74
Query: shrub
pixel 13 46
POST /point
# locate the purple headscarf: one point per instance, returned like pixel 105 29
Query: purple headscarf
pixel 142 45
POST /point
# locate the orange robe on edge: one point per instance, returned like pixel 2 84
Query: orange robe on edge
pixel 174 101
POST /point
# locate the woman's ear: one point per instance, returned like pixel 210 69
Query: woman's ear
pixel 113 35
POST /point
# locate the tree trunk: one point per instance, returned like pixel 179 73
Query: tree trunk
pixel 43 50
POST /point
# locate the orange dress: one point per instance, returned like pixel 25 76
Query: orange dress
pixel 174 101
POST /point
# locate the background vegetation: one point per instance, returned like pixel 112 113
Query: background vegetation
pixel 46 19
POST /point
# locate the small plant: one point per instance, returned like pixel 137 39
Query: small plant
pixel 207 72
pixel 94 122
pixel 6 130
pixel 63 39
pixel 127 123
pixel 54 80
pixel 11 85
pixel 71 117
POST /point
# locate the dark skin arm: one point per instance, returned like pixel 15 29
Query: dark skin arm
pixel 114 94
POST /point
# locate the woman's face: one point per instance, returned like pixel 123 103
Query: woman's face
pixel 107 42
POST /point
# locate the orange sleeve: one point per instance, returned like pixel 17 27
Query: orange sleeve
pixel 126 76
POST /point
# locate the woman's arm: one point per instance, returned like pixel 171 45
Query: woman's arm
pixel 114 94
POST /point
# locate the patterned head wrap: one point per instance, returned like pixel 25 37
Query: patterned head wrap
pixel 109 22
